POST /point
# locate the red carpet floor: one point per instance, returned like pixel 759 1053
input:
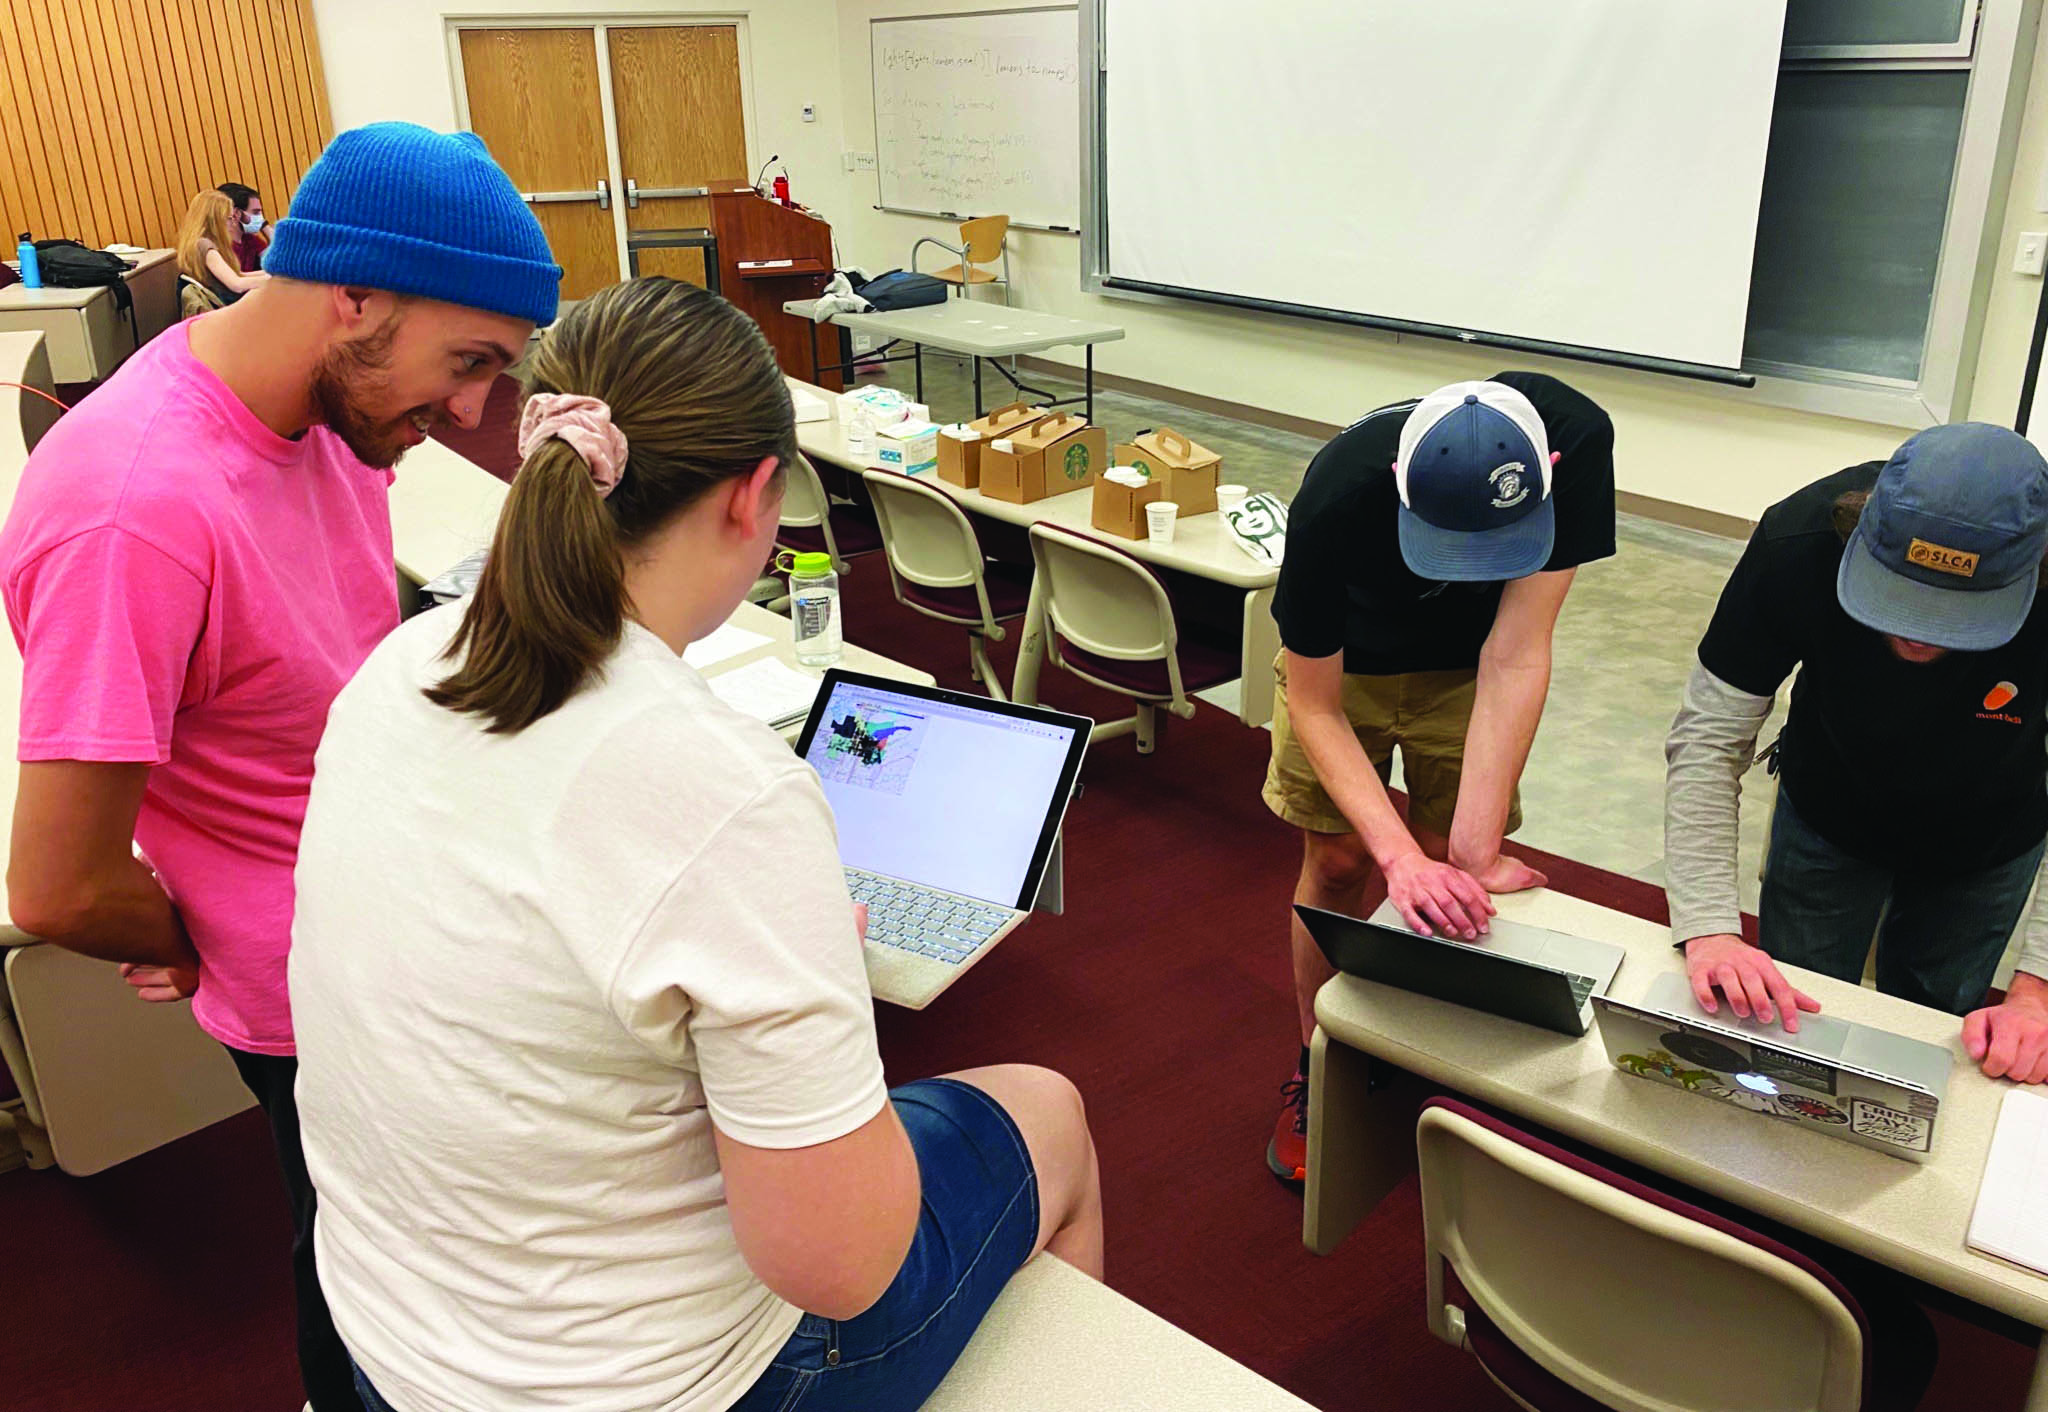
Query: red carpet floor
pixel 1163 993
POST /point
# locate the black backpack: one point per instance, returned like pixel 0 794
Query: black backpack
pixel 66 264
pixel 900 289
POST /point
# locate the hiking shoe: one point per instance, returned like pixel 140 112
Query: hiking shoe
pixel 1287 1153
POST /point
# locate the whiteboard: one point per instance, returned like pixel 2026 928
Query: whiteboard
pixel 980 115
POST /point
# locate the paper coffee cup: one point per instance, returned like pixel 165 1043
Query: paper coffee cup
pixel 1229 497
pixel 1159 518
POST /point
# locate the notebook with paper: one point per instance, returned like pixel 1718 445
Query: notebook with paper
pixel 948 805
pixel 2011 1218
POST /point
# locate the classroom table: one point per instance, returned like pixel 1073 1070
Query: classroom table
pixel 444 507
pixel 87 339
pixel 979 330
pixel 1201 547
pixel 1907 1216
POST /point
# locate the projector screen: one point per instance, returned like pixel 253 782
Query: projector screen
pixel 1574 172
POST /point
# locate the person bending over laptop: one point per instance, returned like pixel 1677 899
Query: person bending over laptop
pixel 1913 785
pixel 1429 552
pixel 588 1068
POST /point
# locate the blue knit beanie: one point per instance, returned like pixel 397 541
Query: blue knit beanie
pixel 402 208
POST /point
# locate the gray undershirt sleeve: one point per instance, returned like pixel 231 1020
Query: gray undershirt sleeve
pixel 2033 957
pixel 1712 742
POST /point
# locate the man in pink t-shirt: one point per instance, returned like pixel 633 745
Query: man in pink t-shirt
pixel 197 559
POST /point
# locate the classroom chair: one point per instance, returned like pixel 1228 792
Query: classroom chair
pixel 937 567
pixel 812 523
pixel 1578 1288
pixel 983 241
pixel 1100 615
pixel 195 298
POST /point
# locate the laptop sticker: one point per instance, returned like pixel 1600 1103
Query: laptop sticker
pixel 1661 1065
pixel 1709 1053
pixel 1812 1108
pixel 1743 1098
pixel 1794 1068
pixel 1868 1118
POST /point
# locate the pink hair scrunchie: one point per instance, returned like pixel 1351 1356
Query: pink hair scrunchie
pixel 585 423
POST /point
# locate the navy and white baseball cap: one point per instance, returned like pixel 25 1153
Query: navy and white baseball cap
pixel 1474 477
pixel 1949 548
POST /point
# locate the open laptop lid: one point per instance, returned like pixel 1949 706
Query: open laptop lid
pixel 1737 1047
pixel 1456 971
pixel 944 788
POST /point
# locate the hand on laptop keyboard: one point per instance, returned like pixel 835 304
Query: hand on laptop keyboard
pixel 924 921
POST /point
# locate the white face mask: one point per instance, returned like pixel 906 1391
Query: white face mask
pixel 252 224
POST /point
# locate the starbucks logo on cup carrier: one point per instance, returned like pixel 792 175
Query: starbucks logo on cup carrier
pixel 1510 485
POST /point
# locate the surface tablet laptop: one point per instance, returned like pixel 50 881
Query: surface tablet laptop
pixel 1864 1085
pixel 1518 971
pixel 948 807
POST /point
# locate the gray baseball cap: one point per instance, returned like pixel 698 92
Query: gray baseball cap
pixel 1949 548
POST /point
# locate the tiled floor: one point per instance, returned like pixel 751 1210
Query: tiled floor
pixel 1594 787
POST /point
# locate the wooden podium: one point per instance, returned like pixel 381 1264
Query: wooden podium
pixel 769 254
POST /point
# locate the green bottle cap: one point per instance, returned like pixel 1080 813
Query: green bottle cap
pixel 812 564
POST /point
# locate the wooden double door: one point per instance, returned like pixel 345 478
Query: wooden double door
pixel 594 123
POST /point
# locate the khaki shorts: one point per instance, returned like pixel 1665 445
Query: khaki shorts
pixel 1424 713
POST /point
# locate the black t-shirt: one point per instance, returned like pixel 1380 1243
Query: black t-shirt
pixel 1942 766
pixel 1344 586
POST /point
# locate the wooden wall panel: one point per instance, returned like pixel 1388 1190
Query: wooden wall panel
pixel 115 112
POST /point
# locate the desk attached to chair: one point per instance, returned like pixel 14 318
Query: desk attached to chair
pixel 1201 549
pixel 87 338
pixel 1910 1217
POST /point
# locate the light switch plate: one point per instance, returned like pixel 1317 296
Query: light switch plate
pixel 810 112
pixel 2028 257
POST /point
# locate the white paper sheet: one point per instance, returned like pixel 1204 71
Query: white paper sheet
pixel 768 690
pixel 721 643
pixel 2011 1219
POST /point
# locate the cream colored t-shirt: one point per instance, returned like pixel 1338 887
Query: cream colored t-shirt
pixel 527 974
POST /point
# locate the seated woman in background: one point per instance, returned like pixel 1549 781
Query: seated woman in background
pixel 206 249
pixel 588 1073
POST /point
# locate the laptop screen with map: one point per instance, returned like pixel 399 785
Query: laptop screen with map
pixel 943 788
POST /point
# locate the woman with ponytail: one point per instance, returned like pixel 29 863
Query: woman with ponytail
pixel 588 1072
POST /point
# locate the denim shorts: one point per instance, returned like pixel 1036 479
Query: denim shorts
pixel 977 1224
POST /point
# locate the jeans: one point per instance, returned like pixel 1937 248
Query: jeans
pixel 324 1365
pixel 978 1223
pixel 1939 939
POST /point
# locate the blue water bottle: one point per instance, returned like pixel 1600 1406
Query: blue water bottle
pixel 31 269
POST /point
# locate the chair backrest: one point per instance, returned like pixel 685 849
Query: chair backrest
pixel 1638 1300
pixel 928 538
pixel 1100 599
pixel 195 298
pixel 982 238
pixel 804 502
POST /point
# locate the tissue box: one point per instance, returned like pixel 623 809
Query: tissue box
pixel 885 404
pixel 960 456
pixel 909 447
pixel 808 406
pixel 1120 509
pixel 1188 472
pixel 1050 457
pixel 1008 421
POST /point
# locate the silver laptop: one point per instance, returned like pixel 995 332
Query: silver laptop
pixel 1515 970
pixel 948 806
pixel 1864 1085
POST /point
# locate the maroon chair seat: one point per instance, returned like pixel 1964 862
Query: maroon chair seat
pixel 1201 667
pixel 1009 593
pixel 853 530
pixel 1505 1360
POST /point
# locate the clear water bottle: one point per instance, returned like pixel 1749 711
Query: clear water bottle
pixel 814 610
pixel 860 433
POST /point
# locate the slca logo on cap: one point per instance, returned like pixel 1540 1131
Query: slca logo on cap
pixel 1942 559
pixel 1510 485
pixel 1995 702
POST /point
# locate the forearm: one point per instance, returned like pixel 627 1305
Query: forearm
pixel 125 917
pixel 1711 744
pixel 1347 775
pixel 1505 714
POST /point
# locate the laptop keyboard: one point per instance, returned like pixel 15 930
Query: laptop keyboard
pixel 1582 987
pixel 923 920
